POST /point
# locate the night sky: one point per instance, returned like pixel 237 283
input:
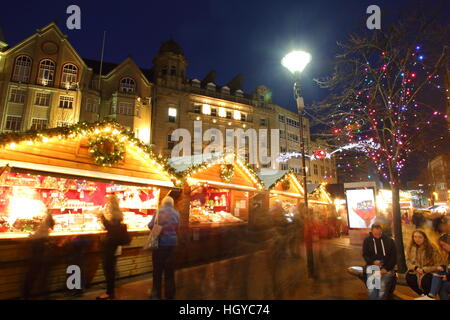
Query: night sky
pixel 228 36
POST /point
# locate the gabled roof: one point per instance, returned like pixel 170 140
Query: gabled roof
pixel 190 165
pixel 272 177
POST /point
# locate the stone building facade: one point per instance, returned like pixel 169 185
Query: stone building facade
pixel 45 83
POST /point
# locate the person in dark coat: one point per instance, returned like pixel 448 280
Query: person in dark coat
pixel 380 254
pixel 110 244
pixel 164 256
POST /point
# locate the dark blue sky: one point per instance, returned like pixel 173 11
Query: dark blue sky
pixel 228 36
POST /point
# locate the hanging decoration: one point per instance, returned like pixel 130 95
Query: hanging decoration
pixel 107 150
pixel 226 172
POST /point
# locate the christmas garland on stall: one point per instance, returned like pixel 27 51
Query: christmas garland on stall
pixel 106 150
pixel 226 172
pixel 85 129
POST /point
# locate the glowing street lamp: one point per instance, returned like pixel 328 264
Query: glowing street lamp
pixel 295 62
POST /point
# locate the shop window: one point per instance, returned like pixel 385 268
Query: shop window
pixel 13 123
pixel 42 99
pixel 22 69
pixel 17 95
pixel 46 75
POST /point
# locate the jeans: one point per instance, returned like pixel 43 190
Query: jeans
pixel 439 286
pixel 164 263
pixel 385 287
pixel 412 280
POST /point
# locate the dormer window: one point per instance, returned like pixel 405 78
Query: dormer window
pixel 225 90
pixel 239 93
pixel 211 86
pixel 196 83
pixel 127 85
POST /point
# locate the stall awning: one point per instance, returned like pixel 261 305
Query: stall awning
pixel 83 173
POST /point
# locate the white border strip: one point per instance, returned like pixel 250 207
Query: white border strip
pixel 84 173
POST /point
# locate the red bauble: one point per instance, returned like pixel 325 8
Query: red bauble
pixel 320 154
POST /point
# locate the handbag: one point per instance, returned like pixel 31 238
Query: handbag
pixel 153 237
pixel 123 237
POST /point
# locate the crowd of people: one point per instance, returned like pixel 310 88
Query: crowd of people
pixel 428 264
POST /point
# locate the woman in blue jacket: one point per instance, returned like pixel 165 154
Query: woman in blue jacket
pixel 164 256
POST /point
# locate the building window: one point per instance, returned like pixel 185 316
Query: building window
pixel 284 166
pixel 282 134
pixel 222 112
pixel 42 99
pixel 322 171
pixel 170 143
pixel 127 85
pixel 228 114
pixel 17 96
pixel 126 108
pixel 263 122
pixel 172 114
pixel 46 74
pixel 206 109
pixel 66 102
pixel 13 123
pixel 38 124
pixel 22 69
pixel 69 76
pixel 164 71
pixel 281 118
pixel 316 171
pixel 243 117
pixel 282 149
pixel 214 112
pixel 173 71
pixel 60 123
pixel 197 108
pixel 237 115
pixel 92 105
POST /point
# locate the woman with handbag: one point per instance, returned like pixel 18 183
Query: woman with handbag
pixel 116 235
pixel 166 221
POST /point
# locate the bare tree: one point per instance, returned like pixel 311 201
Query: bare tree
pixel 386 92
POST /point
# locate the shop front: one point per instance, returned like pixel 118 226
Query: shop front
pixel 69 173
pixel 217 200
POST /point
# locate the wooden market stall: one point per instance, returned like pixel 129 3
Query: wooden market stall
pixel 68 172
pixel 322 209
pixel 215 205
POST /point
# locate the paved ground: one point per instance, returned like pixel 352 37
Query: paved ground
pixel 260 277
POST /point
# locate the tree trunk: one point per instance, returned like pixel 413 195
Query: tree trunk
pixel 398 234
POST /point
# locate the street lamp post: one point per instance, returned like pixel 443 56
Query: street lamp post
pixel 295 62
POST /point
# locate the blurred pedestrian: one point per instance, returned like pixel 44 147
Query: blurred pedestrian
pixel 76 248
pixel 116 235
pixel 40 259
pixel 164 256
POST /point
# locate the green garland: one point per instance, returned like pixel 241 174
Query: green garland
pixel 33 136
pixel 286 184
pixel 226 172
pixel 97 146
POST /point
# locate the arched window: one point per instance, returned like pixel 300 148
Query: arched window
pixel 22 69
pixel 69 76
pixel 46 74
pixel 127 85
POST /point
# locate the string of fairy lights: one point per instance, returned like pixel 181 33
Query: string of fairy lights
pixel 389 123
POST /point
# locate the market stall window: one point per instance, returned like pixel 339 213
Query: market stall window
pixel 216 205
pixel 74 204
